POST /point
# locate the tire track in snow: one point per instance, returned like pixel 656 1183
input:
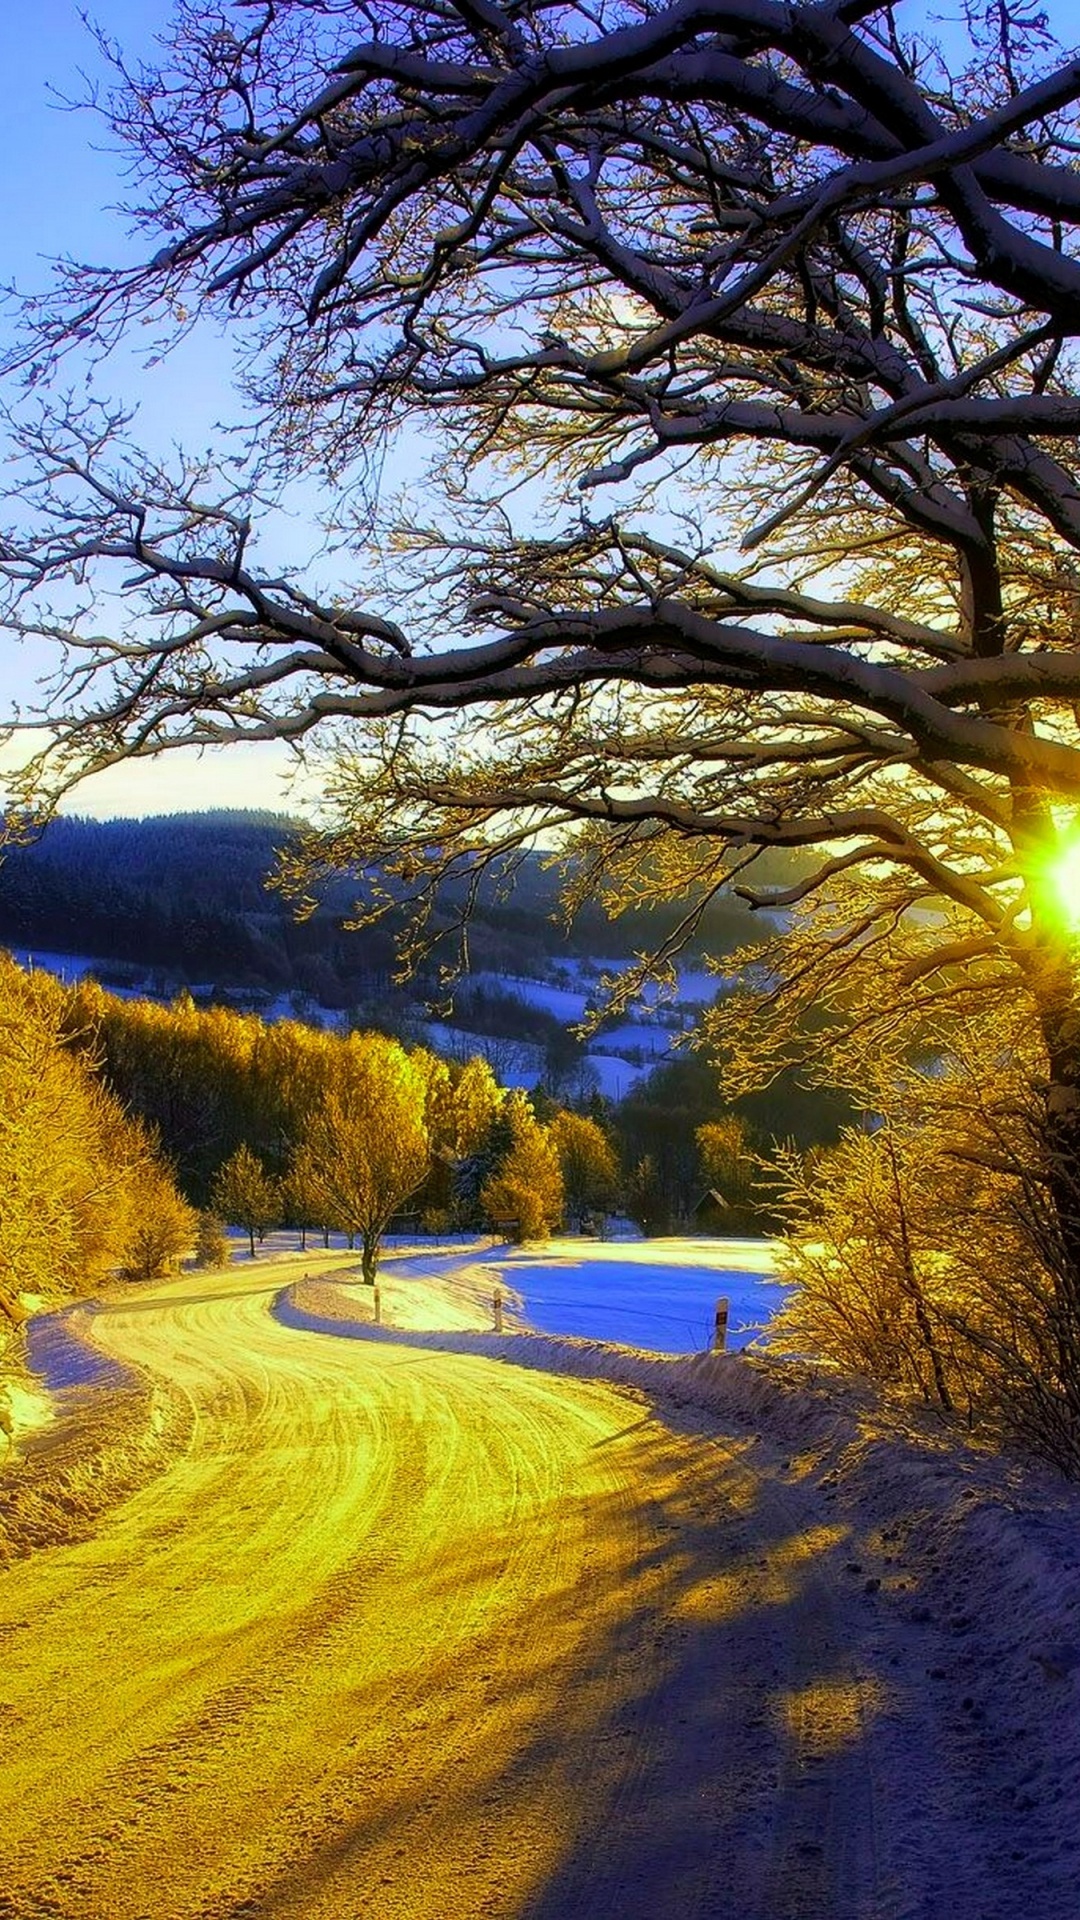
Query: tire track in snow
pixel 409 1634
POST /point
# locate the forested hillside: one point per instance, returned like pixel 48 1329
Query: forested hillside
pixel 187 895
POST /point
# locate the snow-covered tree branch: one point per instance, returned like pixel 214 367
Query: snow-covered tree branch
pixel 740 339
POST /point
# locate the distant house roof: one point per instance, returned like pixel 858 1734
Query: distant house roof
pixel 710 1198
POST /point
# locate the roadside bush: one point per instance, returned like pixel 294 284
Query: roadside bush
pixel 928 1255
pixel 211 1240
pixel 162 1227
pixel 72 1165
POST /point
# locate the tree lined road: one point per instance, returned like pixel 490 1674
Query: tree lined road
pixel 406 1633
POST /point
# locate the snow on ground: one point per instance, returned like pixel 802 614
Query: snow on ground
pixel 515 1063
pixel 79 1430
pixel 660 1293
pixel 406 1636
pixel 695 985
pixel 965 1567
pixel 566 1003
pixel 613 1076
pixel 24 1409
pixel 81 1440
pixel 619 1055
pixel 936 1586
pixel 66 966
pixel 520 1063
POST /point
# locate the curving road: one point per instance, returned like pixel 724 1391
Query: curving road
pixel 414 1635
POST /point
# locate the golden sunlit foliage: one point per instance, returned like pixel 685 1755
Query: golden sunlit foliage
pixel 526 1189
pixel 211 1080
pixel 81 1190
pixel 590 1172
pixel 162 1227
pixel 728 1166
pixel 477 1096
pixel 367 1139
pixel 327 1131
pixel 928 1251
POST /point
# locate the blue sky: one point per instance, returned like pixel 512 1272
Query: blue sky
pixel 58 181
pixel 57 184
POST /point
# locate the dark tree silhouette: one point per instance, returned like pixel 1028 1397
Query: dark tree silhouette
pixel 769 273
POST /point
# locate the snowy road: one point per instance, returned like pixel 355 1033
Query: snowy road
pixel 405 1633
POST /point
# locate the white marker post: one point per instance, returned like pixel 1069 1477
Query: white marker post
pixel 376 1301
pixel 496 1301
pixel 720 1331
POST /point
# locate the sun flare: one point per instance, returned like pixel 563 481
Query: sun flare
pixel 1066 872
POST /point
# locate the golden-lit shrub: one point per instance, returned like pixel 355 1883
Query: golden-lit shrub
pixel 74 1170
pixel 527 1185
pixel 212 1247
pixel 162 1227
pixel 928 1255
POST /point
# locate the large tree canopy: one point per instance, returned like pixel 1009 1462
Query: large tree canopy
pixel 777 275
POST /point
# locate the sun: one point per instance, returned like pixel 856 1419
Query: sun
pixel 1066 877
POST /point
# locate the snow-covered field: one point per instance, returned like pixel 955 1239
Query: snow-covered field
pixel 66 966
pixel 620 1055
pixel 660 1294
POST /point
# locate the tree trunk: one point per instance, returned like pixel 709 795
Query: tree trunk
pixel 369 1256
pixel 251 1240
pixel 1058 995
pixel 913 1287
pixel 1051 964
pixel 1063 1158
pixel 12 1308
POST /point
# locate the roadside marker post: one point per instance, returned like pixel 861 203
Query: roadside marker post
pixel 497 1304
pixel 376 1301
pixel 720 1332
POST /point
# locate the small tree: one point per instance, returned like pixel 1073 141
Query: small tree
pixel 366 1140
pixel 244 1193
pixel 162 1228
pixel 587 1162
pixel 527 1185
pixel 211 1240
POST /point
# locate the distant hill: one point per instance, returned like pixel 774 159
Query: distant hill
pixel 185 897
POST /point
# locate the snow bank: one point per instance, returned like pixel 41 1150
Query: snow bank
pixel 963 1565
pixel 85 1433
